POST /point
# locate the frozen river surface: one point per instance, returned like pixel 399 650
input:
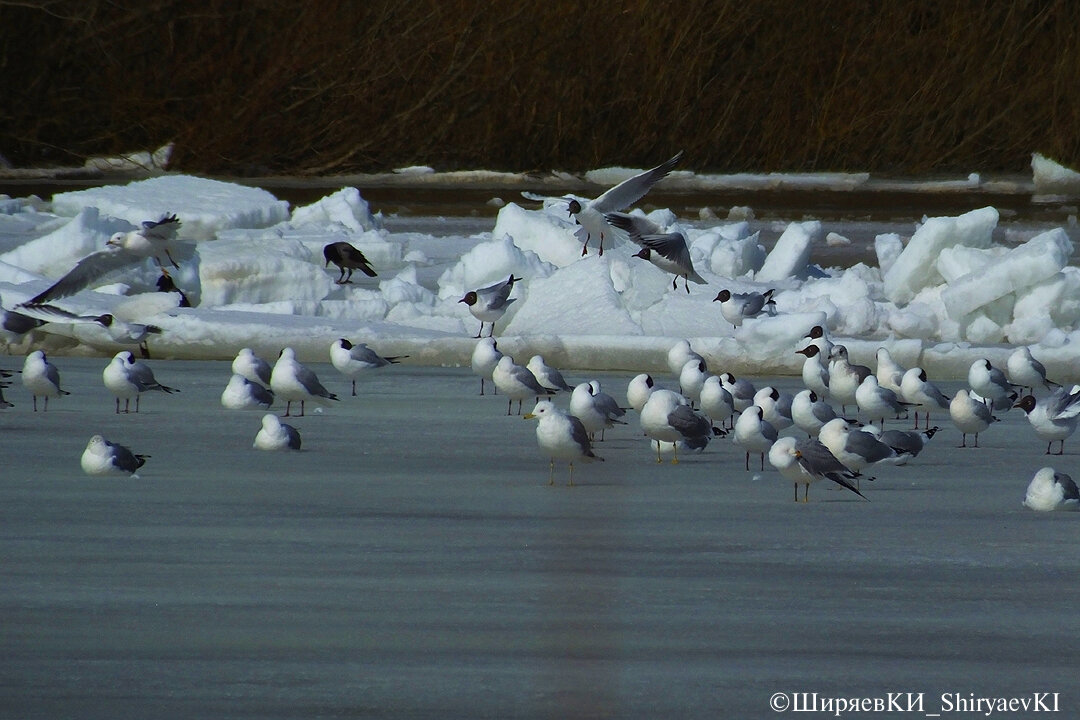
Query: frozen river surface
pixel 412 561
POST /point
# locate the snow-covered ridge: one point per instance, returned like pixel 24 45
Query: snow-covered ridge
pixel 940 298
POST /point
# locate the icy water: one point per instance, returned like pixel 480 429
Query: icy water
pixel 413 562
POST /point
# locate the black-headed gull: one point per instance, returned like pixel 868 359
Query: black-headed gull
pixel 666 250
pixel 590 213
pixel 516 382
pixel 807 460
pixel 102 457
pixel 736 307
pixel 754 434
pixel 276 435
pixel 120 332
pixel 970 416
pixel 845 377
pixel 488 304
pixel 1050 490
pixel 908 443
pixel 596 409
pixel 292 382
pixel 922 393
pixel 815 369
pixel 1053 417
pixel 123 249
pixel 485 357
pixel 990 384
pixel 561 436
pixel 128 378
pixel 716 402
pixel 1027 372
pixel 352 359
pixel 810 413
pixel 347 258
pixel 41 378
pixel 638 390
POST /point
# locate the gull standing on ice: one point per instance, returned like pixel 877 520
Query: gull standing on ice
pixel 1053 417
pixel 922 394
pixel 990 383
pixel 546 375
pixel 638 391
pixel 775 407
pixel 123 249
pixel 667 251
pixel 242 394
pixel 1027 372
pixel 754 434
pixel 736 307
pixel 969 415
pixel 679 354
pixel 485 357
pixel 562 436
pixel 102 457
pixel 889 373
pixel 854 448
pixel 819 336
pixel 128 378
pixel 1050 490
pixel 716 402
pixel 804 461
pixel 352 360
pixel 516 382
pixel 668 417
pixel 590 213
pixel 692 378
pixel 249 365
pixel 41 377
pixel 276 435
pixel 596 410
pixel 876 402
pixel 815 371
pixel 741 390
pixel 845 377
pixel 810 413
pixel 907 443
pixel 488 304
pixel 347 258
pixel 293 382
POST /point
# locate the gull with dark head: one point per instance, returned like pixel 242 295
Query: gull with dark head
pixel 129 378
pixel 1053 417
pixel 666 250
pixel 736 307
pixel 352 360
pixel 41 378
pixel 488 304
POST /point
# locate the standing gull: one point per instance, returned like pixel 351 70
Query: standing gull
pixel 276 435
pixel 970 416
pixel 692 378
pixel 876 402
pixel 854 448
pixel 736 307
pixel 597 411
pixel 810 413
pixel 990 383
pixel 546 375
pixel 590 213
pixel 667 251
pixel 922 394
pixel 815 371
pixel 562 436
pixel 347 258
pixel 516 382
pixel 249 365
pixel 679 354
pixel 754 434
pixel 128 378
pixel 1053 417
pixel 122 249
pixel 845 377
pixel 804 461
pixel 292 382
pixel 41 377
pixel 638 390
pixel 889 373
pixel 353 359
pixel 775 407
pixel 668 417
pixel 1027 372
pixel 488 304
pixel 485 357
pixel 716 402
pixel 102 457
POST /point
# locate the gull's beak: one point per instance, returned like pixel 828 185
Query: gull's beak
pixel 527 416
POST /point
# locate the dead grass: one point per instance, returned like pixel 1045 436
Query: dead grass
pixel 337 86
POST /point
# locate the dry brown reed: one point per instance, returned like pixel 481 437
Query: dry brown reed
pixel 331 86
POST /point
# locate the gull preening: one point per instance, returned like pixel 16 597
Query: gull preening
pixel 1050 490
pixel 102 457
pixel 293 382
pixel 242 394
pixel 561 436
pixel 516 382
pixel 129 378
pixel 41 378
pixel 122 249
pixel 249 365
pixel 638 390
pixel 488 304
pixel 668 417
pixel 347 258
pixel 1054 417
pixel 666 250
pixel 351 360
pixel 276 435
pixel 679 354
pixel 485 357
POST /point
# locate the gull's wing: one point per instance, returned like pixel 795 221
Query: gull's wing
pixel 635 226
pixel 579 434
pixel 631 190
pixel 86 271
pixel 868 446
pixel 162 230
pixel 51 313
pixel 688 422
pixel 494 296
pixel 1062 405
